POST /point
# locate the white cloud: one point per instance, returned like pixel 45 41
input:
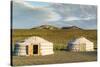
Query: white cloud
pixel 71 18
pixel 24 3
pixel 23 10
pixel 89 18
pixel 53 16
pixel 79 18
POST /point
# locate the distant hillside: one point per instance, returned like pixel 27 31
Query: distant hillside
pixel 71 27
pixel 46 27
pixel 50 27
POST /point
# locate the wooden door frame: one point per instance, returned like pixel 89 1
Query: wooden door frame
pixel 29 49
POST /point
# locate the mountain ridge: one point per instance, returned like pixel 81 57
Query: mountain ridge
pixel 51 27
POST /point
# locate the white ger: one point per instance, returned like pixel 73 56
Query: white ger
pixel 80 44
pixel 34 46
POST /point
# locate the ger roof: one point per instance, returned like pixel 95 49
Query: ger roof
pixel 80 40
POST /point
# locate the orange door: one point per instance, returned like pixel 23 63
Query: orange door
pixel 30 50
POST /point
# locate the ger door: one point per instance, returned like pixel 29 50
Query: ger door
pixel 35 49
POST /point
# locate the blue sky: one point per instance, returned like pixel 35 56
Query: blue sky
pixel 28 14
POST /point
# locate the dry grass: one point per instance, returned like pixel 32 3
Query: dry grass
pixel 58 57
